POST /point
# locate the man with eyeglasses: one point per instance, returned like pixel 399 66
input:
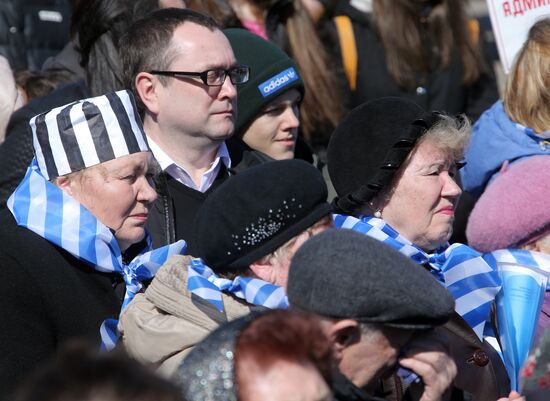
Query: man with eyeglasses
pixel 183 71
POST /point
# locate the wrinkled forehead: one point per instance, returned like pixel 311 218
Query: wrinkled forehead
pixel 430 151
pixel 197 48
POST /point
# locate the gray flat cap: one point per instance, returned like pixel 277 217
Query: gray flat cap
pixel 344 274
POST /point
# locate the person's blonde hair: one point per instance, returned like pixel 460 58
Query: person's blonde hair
pixel 527 93
pixel 449 134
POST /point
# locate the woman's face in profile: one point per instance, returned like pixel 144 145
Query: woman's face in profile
pixel 285 381
pixel 118 193
pixel 422 203
pixel 275 129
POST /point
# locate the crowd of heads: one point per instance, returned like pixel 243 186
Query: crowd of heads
pixel 283 292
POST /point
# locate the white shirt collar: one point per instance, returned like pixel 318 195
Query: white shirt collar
pixel 178 173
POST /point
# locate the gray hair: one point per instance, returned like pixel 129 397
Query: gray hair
pixel 450 134
pixel 370 331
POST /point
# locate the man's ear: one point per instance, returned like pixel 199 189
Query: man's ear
pixel 146 85
pixel 342 334
pixel 263 268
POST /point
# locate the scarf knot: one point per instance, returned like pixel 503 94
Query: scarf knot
pixel 204 283
pixel 467 276
pixel 48 211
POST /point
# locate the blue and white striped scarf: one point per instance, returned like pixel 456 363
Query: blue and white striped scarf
pixel 463 271
pixel 204 283
pixel 51 213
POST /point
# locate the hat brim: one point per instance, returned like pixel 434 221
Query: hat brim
pixel 278 240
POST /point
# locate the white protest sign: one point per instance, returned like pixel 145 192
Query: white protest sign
pixel 511 20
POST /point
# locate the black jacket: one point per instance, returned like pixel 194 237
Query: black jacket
pixel 33 30
pixel 48 298
pixel 172 217
pixel 439 90
pixel 17 151
pixel 173 214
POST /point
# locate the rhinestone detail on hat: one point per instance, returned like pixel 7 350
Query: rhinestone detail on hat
pixel 266 226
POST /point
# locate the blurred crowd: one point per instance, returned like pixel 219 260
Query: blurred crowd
pixel 276 200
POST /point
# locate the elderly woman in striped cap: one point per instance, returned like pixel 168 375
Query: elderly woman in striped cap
pixel 393 165
pixel 73 243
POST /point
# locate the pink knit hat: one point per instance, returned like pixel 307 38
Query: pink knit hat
pixel 514 209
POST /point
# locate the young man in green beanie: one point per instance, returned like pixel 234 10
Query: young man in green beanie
pixel 268 104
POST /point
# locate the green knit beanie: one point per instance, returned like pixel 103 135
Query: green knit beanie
pixel 272 73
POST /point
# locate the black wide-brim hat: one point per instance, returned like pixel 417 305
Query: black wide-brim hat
pixel 369 146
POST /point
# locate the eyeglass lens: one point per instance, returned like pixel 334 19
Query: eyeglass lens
pixel 238 75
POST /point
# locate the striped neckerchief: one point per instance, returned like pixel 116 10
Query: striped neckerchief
pixel 463 271
pixel 51 213
pixel 204 283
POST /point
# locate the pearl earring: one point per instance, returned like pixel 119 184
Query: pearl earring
pixel 378 214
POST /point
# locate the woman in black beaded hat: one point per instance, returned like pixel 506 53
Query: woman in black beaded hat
pixel 248 229
pixel 393 165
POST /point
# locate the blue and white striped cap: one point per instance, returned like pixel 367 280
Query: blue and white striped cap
pixel 87 132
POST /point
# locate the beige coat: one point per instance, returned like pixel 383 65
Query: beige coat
pixel 163 324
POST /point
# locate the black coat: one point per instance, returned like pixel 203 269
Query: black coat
pixel 48 297
pixel 173 216
pixel 344 390
pixel 440 90
pixel 28 36
pixel 17 151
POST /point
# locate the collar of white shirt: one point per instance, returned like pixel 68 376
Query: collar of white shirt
pixel 179 174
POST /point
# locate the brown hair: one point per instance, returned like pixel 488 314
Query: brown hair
pixel 82 373
pixel 291 336
pixel 527 94
pixel 321 108
pixel 40 83
pixel 401 27
pixel 322 104
pixel 220 10
pixel 147 44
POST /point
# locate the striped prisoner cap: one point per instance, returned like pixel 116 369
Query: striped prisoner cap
pixel 87 132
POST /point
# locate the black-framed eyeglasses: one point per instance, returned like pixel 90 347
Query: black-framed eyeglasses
pixel 214 77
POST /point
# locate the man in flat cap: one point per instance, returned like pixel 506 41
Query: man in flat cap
pixel 374 307
pixel 248 229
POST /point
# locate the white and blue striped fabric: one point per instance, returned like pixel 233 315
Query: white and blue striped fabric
pixel 87 132
pixel 520 256
pixel 473 282
pixel 51 213
pixel 204 283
